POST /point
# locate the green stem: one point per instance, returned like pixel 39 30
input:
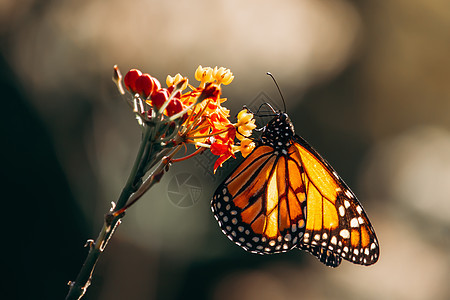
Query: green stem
pixel 132 183
pixel 154 177
pixel 83 280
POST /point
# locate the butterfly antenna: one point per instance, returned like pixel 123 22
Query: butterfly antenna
pixel 282 98
pixel 269 106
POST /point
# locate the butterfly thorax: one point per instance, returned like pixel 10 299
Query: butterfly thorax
pixel 278 132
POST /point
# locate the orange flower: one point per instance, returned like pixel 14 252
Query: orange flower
pixel 195 116
pixel 246 147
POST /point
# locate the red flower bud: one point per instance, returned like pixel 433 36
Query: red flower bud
pixel 174 107
pixel 156 84
pixel 183 118
pixel 159 98
pixel 130 79
pixel 177 95
pixel 145 85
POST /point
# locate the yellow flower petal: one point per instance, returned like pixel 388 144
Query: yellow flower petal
pixel 248 126
pixel 170 81
pixel 247 146
pixel 245 120
pixel 223 75
pixel 204 75
pixel 198 73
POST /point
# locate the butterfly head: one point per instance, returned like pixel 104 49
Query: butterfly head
pixel 279 132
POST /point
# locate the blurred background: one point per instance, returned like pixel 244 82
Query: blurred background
pixel 366 83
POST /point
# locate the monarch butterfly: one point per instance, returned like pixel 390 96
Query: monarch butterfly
pixel 284 195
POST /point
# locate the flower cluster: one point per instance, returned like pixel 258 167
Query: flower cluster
pixel 184 114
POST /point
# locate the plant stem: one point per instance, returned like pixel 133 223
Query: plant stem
pixel 146 152
pixel 154 177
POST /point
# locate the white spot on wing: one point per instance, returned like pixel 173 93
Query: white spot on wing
pixel 359 209
pixel 341 211
pixel 344 233
pixel 348 194
pixel 334 240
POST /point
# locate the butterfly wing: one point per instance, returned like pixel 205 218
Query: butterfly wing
pixel 336 224
pixel 285 195
pixel 261 205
